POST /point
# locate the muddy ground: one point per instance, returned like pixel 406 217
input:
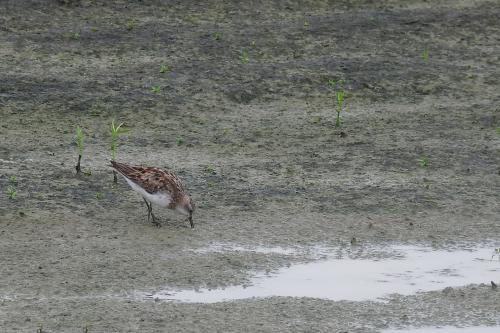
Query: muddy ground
pixel 245 115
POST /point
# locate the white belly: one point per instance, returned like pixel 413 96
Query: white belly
pixel 161 199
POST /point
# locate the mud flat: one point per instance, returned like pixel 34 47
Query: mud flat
pixel 400 270
pixel 448 329
pixel 242 110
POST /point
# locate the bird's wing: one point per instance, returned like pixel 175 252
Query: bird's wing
pixel 152 180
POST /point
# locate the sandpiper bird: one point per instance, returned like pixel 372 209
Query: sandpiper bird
pixel 157 186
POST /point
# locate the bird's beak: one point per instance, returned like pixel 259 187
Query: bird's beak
pixel 191 219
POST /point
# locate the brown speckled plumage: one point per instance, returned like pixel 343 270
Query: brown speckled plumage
pixel 158 182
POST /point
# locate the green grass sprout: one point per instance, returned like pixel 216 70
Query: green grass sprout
pixel 210 169
pixel 425 55
pixel 423 162
pixel 164 69
pixel 338 88
pixel 130 25
pixel 332 83
pixel 244 57
pixel 340 103
pixel 116 131
pixel 217 35
pixel 11 192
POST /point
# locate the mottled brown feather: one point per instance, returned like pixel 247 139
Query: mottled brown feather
pixel 153 180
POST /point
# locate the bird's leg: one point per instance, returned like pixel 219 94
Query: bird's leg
pixel 150 211
pixel 191 219
pixel 156 222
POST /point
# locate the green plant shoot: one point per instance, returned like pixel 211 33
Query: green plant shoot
pixel 423 162
pixel 116 131
pixel 164 69
pixel 332 83
pixel 130 25
pixel 244 57
pixel 340 102
pixel 425 55
pixel 210 169
pixel 217 35
pixel 11 192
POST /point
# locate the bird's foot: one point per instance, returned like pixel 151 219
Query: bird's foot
pixel 156 222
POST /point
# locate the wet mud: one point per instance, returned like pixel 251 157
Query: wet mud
pixel 243 112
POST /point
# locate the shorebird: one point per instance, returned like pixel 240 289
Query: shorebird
pixel 157 186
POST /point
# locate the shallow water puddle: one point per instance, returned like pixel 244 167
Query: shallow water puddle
pixel 415 269
pixel 449 329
